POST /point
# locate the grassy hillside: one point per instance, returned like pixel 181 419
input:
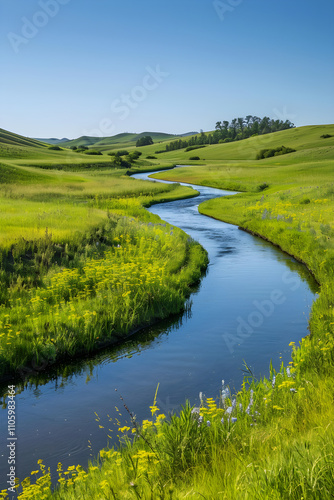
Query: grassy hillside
pixel 17 175
pixel 301 139
pixel 18 140
pixel 233 165
pixel 19 150
pixel 16 147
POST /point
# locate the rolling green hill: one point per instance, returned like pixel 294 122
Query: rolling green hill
pixel 300 139
pixel 52 140
pixel 119 139
pixel 18 140
pixel 234 166
pixel 14 146
pixel 307 141
pixel 10 174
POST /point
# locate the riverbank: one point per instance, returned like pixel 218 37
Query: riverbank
pixel 299 221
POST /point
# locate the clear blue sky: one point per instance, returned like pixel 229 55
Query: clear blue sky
pixel 84 67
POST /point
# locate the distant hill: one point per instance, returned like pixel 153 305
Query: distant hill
pixel 104 143
pixel 53 140
pixel 187 134
pixel 18 140
pixel 313 142
pixel 119 139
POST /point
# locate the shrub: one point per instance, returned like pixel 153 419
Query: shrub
pixel 122 152
pixel 262 186
pixel 119 162
pixel 149 157
pixel 93 152
pixel 132 157
pixel 267 153
pixel 194 158
pixel 81 149
pixel 55 148
pixel 135 154
pixel 325 136
pixel 160 151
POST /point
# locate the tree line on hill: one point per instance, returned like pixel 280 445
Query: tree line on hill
pixel 237 129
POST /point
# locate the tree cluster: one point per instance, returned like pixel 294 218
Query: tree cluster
pixel 144 141
pixel 194 140
pixel 124 159
pixel 236 130
pixel 242 128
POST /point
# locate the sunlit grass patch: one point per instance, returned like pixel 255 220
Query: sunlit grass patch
pixel 84 264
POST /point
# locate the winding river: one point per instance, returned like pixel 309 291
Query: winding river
pixel 253 301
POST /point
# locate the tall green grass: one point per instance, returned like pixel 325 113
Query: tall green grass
pixel 142 272
pixel 267 441
pixel 83 264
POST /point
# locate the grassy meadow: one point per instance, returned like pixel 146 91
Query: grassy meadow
pixel 274 439
pixel 83 264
